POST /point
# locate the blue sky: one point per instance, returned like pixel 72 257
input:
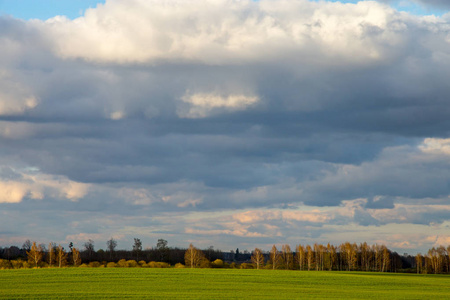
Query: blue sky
pixel 44 9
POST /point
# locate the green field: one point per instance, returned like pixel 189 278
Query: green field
pixel 140 283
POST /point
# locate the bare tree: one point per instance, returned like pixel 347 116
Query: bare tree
pixel 386 260
pixel 316 255
pixel 26 245
pixel 51 254
pixel 351 255
pixel 419 263
pixel 193 257
pixel 309 256
pixel 137 247
pixel 377 257
pixel 274 257
pixel 288 257
pixel 333 255
pixel 435 260
pixel 257 258
pixel 366 256
pixel 35 254
pixel 162 248
pixel 76 258
pixel 111 245
pixel 448 258
pixel 89 247
pixel 442 257
pixel 61 256
pixel 300 256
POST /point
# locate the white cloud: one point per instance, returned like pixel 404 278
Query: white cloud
pixel 117 115
pixel 39 186
pixel 190 202
pixel 436 146
pixel 15 98
pixel 253 216
pixel 13 192
pixel 201 105
pixel 242 232
pixel 219 32
pixel 139 196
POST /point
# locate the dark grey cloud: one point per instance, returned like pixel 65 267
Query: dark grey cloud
pixel 139 135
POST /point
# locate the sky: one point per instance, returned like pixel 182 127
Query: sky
pixel 236 124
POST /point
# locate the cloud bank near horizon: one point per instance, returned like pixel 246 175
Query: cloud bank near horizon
pixel 226 123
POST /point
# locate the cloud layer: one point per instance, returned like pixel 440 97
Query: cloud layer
pixel 232 123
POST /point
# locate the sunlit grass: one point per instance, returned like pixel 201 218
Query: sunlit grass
pixel 137 283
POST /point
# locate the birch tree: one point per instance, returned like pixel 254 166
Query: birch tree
pixel 51 254
pixel 386 260
pixel 309 256
pixel 35 254
pixel 288 257
pixel 61 256
pixel 257 258
pixel 193 257
pixel 419 263
pixel 300 253
pixel 76 258
pixel 333 255
pixel 274 257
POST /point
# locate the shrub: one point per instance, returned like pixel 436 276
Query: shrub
pixel 179 266
pixel 246 266
pixel 26 265
pixel 122 263
pixel 205 263
pixel 111 265
pixel 132 264
pixel 218 263
pixel 163 265
pixel 5 264
pixel 94 264
pixel 83 266
pixel 18 264
pixel 154 264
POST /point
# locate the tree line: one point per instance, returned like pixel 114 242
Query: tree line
pixel 344 257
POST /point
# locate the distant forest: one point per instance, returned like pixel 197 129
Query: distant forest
pixel 344 257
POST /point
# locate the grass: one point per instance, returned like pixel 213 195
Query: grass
pixel 136 283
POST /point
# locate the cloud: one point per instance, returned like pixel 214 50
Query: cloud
pixel 201 105
pixel 436 146
pixel 227 32
pixel 15 99
pixel 397 172
pixel 37 186
pixel 443 4
pixel 241 121
pixel 250 217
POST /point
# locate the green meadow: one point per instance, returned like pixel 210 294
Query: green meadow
pixel 140 283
